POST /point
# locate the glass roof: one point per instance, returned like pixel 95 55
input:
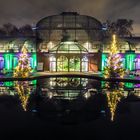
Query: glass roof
pixel 69 47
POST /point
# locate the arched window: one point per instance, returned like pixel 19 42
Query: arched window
pixel 85 64
pixel 1 63
pixel 15 61
pixel 123 62
pixel 74 64
pixel 137 63
pixel 52 63
pixel 62 63
pixel 31 62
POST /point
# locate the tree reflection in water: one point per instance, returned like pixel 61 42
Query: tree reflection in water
pixel 23 90
pixel 114 93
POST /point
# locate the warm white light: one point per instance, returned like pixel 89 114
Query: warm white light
pixel 50 95
pixel 88 46
pixel 87 95
pixel 50 45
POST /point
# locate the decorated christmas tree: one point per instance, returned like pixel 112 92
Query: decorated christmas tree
pixel 23 68
pixel 114 66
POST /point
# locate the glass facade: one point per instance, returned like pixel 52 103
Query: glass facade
pixel 67 39
pixel 10 49
pixel 64 58
pixel 67 42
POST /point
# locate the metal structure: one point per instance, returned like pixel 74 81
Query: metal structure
pixel 68 38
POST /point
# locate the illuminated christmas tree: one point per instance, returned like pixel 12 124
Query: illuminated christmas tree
pixel 114 66
pixel 23 68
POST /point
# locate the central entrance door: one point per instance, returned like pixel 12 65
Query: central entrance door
pixel 68 64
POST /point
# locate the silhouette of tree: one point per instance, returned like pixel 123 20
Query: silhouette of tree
pixel 122 28
pixel 26 30
pixel 10 29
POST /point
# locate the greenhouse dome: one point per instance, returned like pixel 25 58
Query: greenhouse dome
pixel 68 41
pixel 79 27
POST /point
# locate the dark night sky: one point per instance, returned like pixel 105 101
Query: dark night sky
pixel 21 12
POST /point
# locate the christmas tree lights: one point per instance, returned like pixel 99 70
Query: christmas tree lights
pixel 23 68
pixel 113 98
pixel 23 90
pixel 114 66
pixel 114 94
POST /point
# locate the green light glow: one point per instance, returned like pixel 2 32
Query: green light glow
pixel 34 82
pixel 8 61
pixel 103 84
pixel 104 57
pixel 34 64
pixel 9 84
pixel 15 61
pixel 129 63
pixel 129 85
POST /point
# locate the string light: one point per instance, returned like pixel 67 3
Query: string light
pixel 23 90
pixel 114 95
pixel 23 68
pixel 114 66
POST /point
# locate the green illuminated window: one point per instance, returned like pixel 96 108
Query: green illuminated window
pixel 104 58
pixel 74 64
pixel 8 61
pixel 129 85
pixel 9 84
pixel 34 63
pixel 129 61
pixel 15 61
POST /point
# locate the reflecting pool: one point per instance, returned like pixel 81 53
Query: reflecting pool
pixel 67 102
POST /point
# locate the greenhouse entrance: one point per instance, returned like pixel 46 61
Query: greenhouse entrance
pixel 68 56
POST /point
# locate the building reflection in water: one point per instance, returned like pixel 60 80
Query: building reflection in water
pixel 68 100
pixel 68 88
pixel 83 95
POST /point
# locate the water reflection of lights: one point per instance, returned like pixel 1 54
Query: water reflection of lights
pixel 50 95
pixel 23 90
pixel 90 93
pixel 66 94
pixel 113 99
pixel 137 92
pixel 6 91
pixel 87 95
pixel 114 93
pixel 63 82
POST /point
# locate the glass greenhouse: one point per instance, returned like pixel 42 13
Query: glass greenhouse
pixel 67 42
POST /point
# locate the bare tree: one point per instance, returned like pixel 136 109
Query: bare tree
pixel 26 30
pixel 122 27
pixel 10 29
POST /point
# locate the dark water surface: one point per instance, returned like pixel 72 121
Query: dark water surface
pixel 69 108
